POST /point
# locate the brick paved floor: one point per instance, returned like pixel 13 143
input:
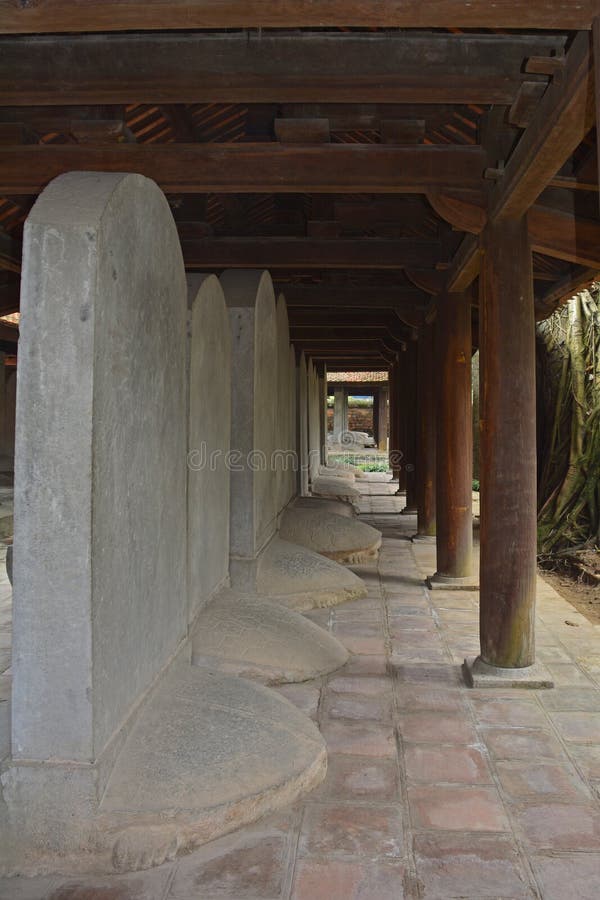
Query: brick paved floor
pixel 433 790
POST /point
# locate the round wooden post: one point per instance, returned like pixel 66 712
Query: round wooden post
pixel 425 473
pixel 410 426
pixel 396 461
pixel 508 448
pixel 454 442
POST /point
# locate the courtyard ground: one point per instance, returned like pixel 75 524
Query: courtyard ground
pixel 433 790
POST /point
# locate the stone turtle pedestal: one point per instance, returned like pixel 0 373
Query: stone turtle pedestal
pixel 340 538
pixel 263 641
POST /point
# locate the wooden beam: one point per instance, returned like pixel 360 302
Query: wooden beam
pixel 10 253
pixel 465 265
pixel 152 15
pixel 564 116
pixel 429 281
pixel 563 290
pixel 9 298
pixel 407 300
pixel 289 253
pixel 266 68
pixel 9 334
pixel 255 168
pixel 564 236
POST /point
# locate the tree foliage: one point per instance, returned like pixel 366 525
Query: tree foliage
pixel 569 427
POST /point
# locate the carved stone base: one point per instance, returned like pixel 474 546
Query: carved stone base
pixel 478 674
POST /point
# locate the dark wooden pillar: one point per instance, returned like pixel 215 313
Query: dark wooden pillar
pixel 382 416
pixel 375 415
pixel 410 426
pixel 508 448
pixel 454 440
pixel 396 459
pixel 426 429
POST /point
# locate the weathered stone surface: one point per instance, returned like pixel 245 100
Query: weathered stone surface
pixel 254 500
pixel 100 539
pixel 261 640
pixel 339 507
pixel 332 486
pixel 207 754
pixel 302 579
pixel 302 425
pixel 209 436
pixel 346 540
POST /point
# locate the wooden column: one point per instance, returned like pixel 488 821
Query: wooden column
pixel 454 441
pixel 382 417
pixel 508 448
pixel 395 459
pixel 426 431
pixel 410 426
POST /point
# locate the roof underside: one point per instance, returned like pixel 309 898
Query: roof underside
pixel 457 101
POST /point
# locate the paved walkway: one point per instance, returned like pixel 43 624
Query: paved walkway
pixel 433 790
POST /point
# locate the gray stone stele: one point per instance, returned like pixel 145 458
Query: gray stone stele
pixel 100 482
pixel 209 437
pixel 302 425
pixel 263 641
pixel 346 540
pixel 284 460
pixel 254 501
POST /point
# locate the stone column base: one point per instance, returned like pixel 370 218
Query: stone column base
pixel 478 674
pixel 439 582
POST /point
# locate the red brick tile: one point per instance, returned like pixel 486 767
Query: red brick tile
pixel 507 713
pixel 418 698
pixel 358 778
pixel 461 765
pixel 457 808
pixel 366 665
pixel 521 744
pixel 368 686
pixel 473 865
pixel 248 863
pixel 334 828
pixel 579 727
pixel 149 885
pixel 340 880
pixel 360 740
pixel 588 759
pixel 536 780
pixel 442 675
pixel 557 826
pixel 348 706
pixel 436 727
pixel 569 876
pixel 407 655
pixel 304 696
pixel 363 646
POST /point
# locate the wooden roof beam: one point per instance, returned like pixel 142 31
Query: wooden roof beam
pixel 253 168
pixel 267 68
pixel 148 15
pixel 564 116
pixel 405 300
